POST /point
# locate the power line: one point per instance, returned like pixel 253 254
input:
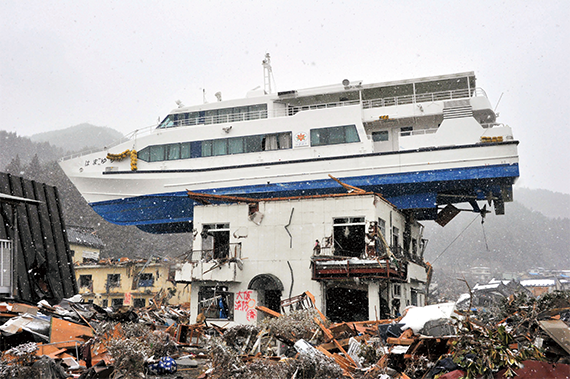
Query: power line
pixel 455 239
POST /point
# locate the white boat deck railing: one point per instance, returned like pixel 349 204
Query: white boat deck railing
pixel 290 111
pixel 222 119
pixel 423 98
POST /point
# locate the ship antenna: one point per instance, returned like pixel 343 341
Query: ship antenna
pixel 498 101
pixel 267 74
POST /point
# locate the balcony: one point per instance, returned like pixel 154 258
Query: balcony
pixel 337 268
pixel 202 267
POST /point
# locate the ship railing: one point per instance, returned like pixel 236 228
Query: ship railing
pixel 221 119
pixel 423 97
pixel 292 110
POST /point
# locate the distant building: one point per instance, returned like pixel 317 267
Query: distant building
pixel 85 244
pixel 357 254
pixel 125 282
pixel 542 286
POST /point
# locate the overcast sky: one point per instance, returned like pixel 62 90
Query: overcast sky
pixel 123 64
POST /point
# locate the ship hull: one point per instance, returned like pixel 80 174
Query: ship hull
pixel 418 180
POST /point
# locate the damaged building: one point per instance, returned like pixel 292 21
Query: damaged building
pixel 359 256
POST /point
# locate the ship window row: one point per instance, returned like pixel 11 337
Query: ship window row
pixel 215 116
pixel 217 147
pixel 248 144
pixel 334 135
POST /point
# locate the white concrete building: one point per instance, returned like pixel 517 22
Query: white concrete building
pixel 356 253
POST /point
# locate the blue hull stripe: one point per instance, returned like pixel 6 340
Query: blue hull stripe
pixel 411 190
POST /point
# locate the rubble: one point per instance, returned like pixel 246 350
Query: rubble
pixel 522 336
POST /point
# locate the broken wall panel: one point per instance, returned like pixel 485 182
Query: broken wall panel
pixel 33 222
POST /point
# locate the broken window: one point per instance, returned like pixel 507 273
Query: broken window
pixel 215 241
pixel 414 297
pixel 139 303
pixel 395 238
pixel 397 290
pixel 347 303
pixel 349 236
pixel 382 226
pixel 104 303
pixel 86 281
pixel 216 302
pixel 113 280
pixel 146 280
pixel 414 246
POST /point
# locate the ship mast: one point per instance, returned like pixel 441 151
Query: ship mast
pixel 267 74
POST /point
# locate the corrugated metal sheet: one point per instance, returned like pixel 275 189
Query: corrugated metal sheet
pixel 43 266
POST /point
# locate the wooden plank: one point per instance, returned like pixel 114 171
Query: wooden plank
pixel 268 311
pixel 327 332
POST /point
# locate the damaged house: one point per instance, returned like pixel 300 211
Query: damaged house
pixel 359 256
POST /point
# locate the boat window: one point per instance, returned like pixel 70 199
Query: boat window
pixel 215 116
pixel 406 131
pixel 167 122
pixel 173 151
pixel 207 148
pixel 334 135
pixel 157 153
pixel 235 145
pixel 253 143
pixel 185 150
pixel 144 154
pixel 220 147
pixel 380 136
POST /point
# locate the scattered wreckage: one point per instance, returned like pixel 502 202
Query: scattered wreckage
pixel 524 337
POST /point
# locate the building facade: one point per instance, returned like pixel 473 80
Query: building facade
pixel 121 282
pixel 359 256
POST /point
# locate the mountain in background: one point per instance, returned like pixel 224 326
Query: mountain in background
pixel 79 138
pixel 551 204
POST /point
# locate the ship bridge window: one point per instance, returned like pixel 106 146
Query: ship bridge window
pixel 334 135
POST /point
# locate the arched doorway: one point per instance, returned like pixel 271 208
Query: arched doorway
pixel 269 289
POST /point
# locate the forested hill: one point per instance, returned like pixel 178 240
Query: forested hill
pixel 534 232
pixel 79 137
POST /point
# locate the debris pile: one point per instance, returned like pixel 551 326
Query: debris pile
pixel 522 336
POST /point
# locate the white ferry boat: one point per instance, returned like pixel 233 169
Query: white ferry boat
pixel 422 143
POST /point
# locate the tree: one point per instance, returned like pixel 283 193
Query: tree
pixel 34 169
pixel 15 166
